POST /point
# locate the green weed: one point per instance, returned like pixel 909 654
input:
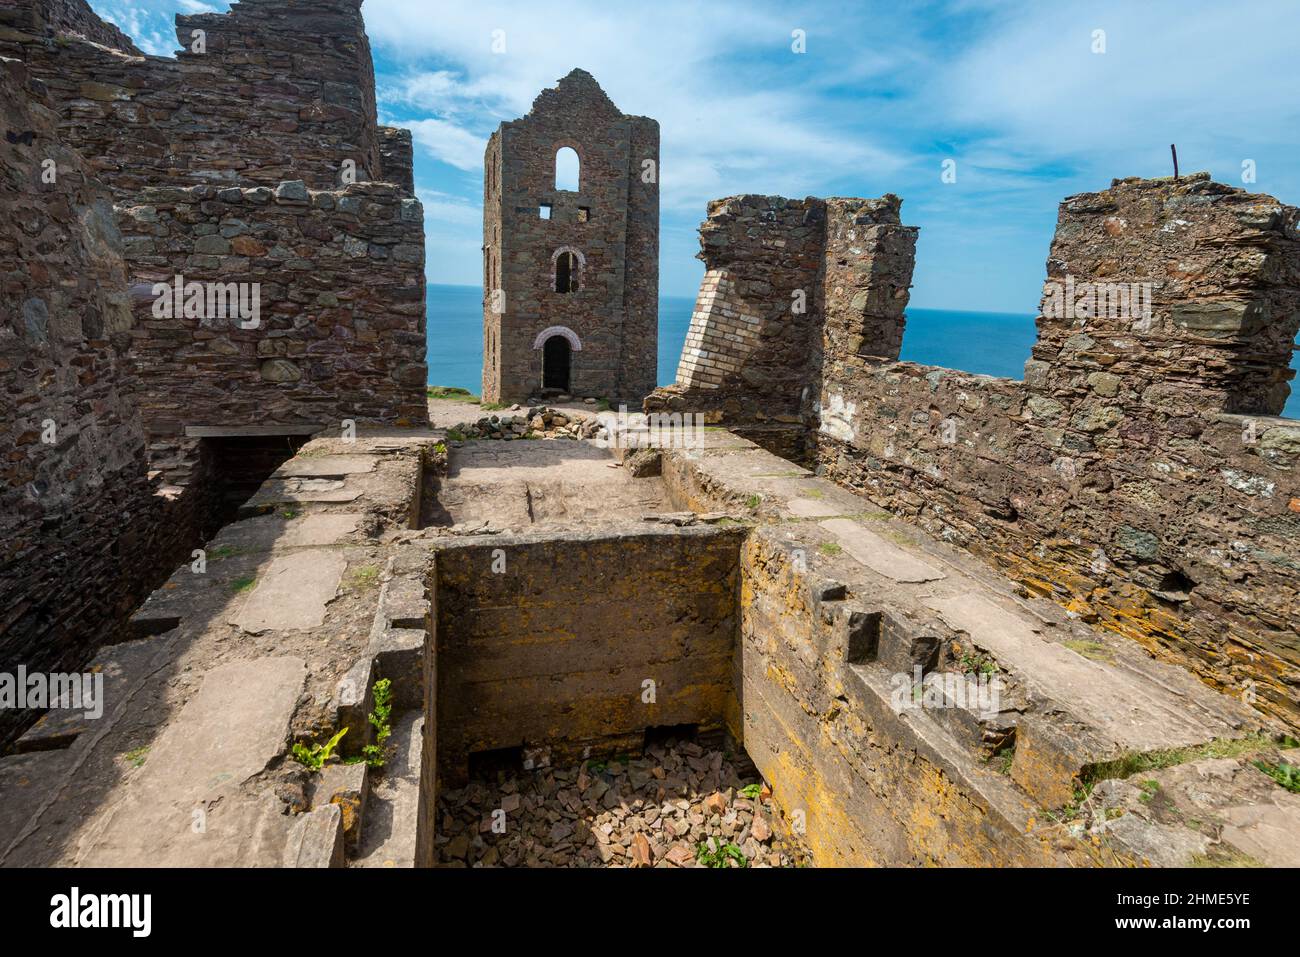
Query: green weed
pixel 711 854
pixel 381 719
pixel 313 757
pixel 1287 775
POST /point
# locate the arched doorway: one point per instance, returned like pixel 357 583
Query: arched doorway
pixel 556 356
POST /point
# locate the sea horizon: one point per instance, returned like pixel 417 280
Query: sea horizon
pixel 974 341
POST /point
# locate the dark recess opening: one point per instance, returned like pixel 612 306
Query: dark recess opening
pixel 670 734
pixel 239 466
pixel 566 273
pixel 487 764
pixel 555 363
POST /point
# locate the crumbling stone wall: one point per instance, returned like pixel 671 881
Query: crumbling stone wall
pixel 1138 475
pixel 340 276
pixel 788 282
pixel 279 96
pixel 747 347
pixel 611 223
pixel 54 18
pixel 284 90
pixel 397 155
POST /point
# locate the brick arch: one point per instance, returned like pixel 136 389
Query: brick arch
pixel 574 342
pixel 582 264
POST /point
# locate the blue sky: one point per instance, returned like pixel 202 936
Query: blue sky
pixel 884 94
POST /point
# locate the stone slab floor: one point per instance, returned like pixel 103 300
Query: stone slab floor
pixel 514 485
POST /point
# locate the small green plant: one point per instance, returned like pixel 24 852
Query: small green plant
pixel 973 663
pixel 751 791
pixel 243 584
pixel 596 767
pixel 136 756
pixel 455 435
pixel 493 406
pixel 1149 789
pixel 290 513
pixel 753 501
pixel 712 854
pixel 830 548
pixel 313 757
pixel 363 577
pixel 381 719
pixel 1287 775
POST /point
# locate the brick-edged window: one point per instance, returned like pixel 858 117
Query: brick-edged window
pixel 567 265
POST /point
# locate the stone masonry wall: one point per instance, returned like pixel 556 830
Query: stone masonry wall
pixel 862 783
pixel 84 530
pixel 747 349
pixel 1137 476
pixel 639 364
pixel 494 247
pixel 341 332
pixel 555 647
pixel 274 92
pixel 611 223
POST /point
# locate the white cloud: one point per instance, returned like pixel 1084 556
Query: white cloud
pixel 448 142
pixel 443 208
pixel 1203 81
pixel 151 30
pixel 718 132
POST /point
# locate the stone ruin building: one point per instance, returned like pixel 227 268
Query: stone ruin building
pixel 571 275
pixel 260 541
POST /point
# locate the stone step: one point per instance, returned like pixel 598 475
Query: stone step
pixel 325 466
pixel 1089 710
pixel 397 828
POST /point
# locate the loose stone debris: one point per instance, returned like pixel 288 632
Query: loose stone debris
pixel 531 422
pixel 680 805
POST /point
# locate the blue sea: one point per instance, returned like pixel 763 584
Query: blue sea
pixel 988 343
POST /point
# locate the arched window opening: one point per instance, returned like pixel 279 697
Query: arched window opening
pixel 566 273
pixel 567 169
